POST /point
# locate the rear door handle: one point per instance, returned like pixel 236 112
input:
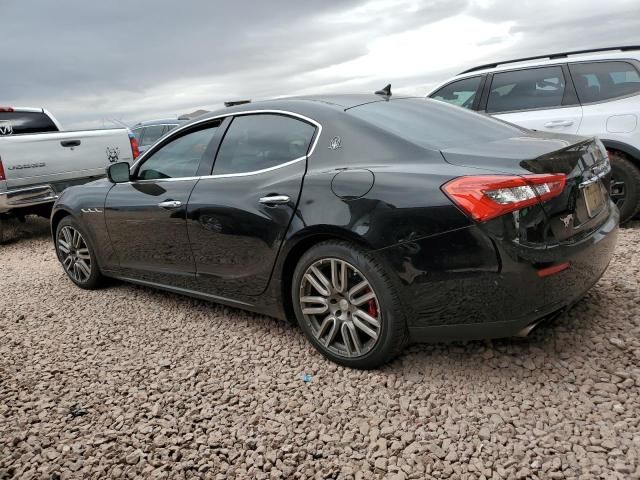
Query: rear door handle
pixel 559 123
pixel 70 143
pixel 169 204
pixel 275 199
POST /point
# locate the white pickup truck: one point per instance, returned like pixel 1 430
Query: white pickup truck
pixel 38 160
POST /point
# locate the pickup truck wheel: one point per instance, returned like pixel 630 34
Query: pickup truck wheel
pixel 625 186
pixel 76 254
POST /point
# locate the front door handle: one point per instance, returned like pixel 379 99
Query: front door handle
pixel 275 199
pixel 70 143
pixel 559 123
pixel 169 204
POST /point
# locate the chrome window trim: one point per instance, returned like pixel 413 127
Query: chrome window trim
pixel 176 131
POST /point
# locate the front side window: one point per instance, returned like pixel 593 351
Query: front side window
pixel 526 90
pixel 256 142
pixel 151 134
pixel 461 93
pixel 179 158
pixel 597 81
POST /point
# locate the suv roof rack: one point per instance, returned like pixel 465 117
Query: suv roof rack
pixel 552 56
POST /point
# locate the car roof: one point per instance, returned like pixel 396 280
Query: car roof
pixel 303 105
pixel 165 121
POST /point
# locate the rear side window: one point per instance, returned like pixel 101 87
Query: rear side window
pixel 25 122
pixel 526 90
pixel 599 81
pixel 179 158
pixel 256 142
pixel 433 124
pixel 151 134
pixel 461 92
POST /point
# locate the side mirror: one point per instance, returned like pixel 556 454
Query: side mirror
pixel 118 172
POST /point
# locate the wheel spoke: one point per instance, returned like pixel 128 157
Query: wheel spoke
pixel 366 323
pixel 84 268
pixel 67 262
pixel 338 275
pixel 322 305
pixel 363 298
pixel 329 323
pixel 63 246
pixel 319 281
pixel 350 339
pixel 67 235
pixel 83 254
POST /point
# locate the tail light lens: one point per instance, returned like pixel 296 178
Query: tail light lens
pixel 485 197
pixel 2 175
pixel 6 109
pixel 135 149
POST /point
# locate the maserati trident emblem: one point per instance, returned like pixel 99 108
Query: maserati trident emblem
pixel 113 154
pixel 567 220
pixel 335 143
pixel 6 128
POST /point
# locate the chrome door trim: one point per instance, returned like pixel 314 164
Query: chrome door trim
pixel 176 132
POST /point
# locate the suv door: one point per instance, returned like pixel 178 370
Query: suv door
pixel 146 217
pixel 540 98
pixel 238 217
pixel 463 93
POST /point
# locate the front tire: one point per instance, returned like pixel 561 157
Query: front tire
pixel 347 305
pixel 625 186
pixel 77 255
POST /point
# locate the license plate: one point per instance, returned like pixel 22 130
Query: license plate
pixel 593 198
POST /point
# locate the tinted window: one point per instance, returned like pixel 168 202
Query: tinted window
pixel 604 80
pixel 460 93
pixel 255 142
pixel 151 134
pixel 179 158
pixel 26 122
pixel 433 124
pixel 526 89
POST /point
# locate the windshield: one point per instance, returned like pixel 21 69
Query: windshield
pixel 434 124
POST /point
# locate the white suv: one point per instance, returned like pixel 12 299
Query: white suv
pixel 588 92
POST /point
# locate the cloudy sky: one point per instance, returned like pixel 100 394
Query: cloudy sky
pixel 91 61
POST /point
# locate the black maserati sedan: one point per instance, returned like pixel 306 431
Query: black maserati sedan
pixel 369 220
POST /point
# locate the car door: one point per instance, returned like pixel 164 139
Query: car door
pixel 541 98
pixel 239 215
pixel 146 217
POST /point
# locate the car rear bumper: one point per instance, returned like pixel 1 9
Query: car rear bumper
pixel 469 285
pixel 26 197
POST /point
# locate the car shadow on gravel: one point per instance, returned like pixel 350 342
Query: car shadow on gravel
pixel 13 231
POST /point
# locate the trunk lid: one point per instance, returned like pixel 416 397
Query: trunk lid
pixel 583 205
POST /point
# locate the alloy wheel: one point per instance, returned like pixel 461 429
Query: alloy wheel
pixel 74 254
pixel 340 305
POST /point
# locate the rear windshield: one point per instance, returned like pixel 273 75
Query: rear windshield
pixel 434 124
pixel 14 123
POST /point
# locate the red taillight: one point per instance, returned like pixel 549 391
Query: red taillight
pixel 2 176
pixel 135 149
pixel 485 197
pixel 6 109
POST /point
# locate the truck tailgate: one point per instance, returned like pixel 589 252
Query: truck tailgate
pixel 49 158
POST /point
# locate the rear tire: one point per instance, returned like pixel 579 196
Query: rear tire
pixel 359 320
pixel 625 185
pixel 77 255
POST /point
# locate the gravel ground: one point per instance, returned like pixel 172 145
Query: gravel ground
pixel 130 382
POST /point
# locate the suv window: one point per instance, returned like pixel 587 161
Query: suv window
pixel 179 158
pixel 526 89
pixel 598 81
pixel 26 122
pixel 460 93
pixel 256 142
pixel 151 134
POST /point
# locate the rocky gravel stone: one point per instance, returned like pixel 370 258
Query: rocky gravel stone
pixel 130 382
